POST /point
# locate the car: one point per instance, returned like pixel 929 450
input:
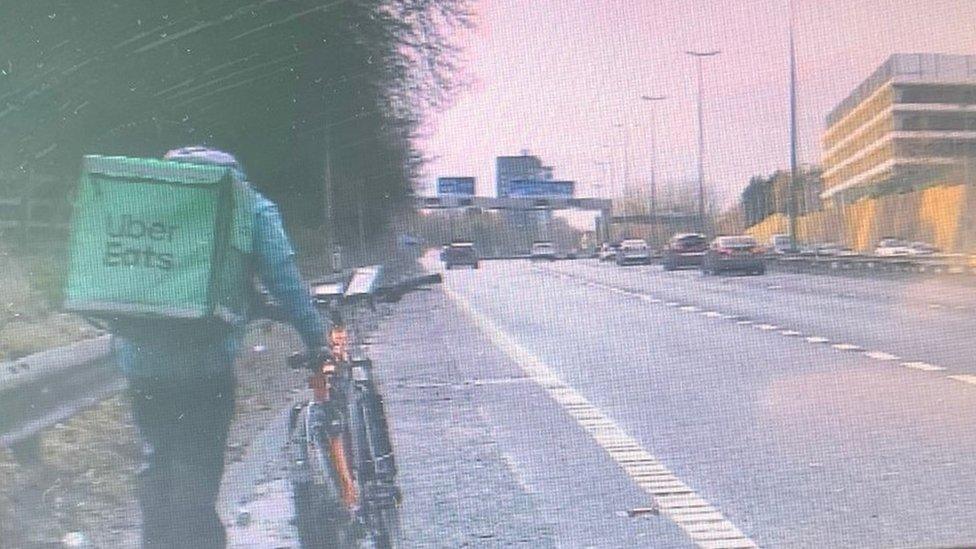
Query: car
pixel 781 244
pixel 633 251
pixel 832 249
pixel 608 251
pixel 543 250
pixel 893 247
pixel 923 248
pixel 460 253
pixel 685 250
pixel 734 253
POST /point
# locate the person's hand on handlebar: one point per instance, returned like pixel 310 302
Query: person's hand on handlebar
pixel 310 360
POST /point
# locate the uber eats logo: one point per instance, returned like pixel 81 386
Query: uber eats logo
pixel 134 242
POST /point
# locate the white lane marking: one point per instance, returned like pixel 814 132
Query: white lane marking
pixel 965 378
pixel 881 355
pixel 846 347
pixel 924 366
pixel 633 459
pixel 877 355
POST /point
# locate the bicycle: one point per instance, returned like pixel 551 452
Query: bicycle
pixel 341 456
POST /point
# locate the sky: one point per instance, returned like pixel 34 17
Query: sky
pixel 557 78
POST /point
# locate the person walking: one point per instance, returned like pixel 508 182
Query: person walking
pixel 182 385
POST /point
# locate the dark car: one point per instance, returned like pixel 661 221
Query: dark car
pixel 734 253
pixel 685 250
pixel 460 253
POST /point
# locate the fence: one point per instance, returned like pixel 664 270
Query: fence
pixel 33 213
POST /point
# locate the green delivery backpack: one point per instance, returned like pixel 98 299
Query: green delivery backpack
pixel 159 240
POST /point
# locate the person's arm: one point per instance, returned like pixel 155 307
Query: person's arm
pixel 279 273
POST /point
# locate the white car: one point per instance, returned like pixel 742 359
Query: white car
pixel 608 252
pixel 543 250
pixel 923 248
pixel 633 252
pixel 893 247
pixel 781 244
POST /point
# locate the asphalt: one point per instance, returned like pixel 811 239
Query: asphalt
pixel 535 404
pixel 797 443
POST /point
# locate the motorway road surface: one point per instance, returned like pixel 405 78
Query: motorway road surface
pixel 787 410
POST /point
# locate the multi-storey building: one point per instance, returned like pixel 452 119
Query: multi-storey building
pixel 909 125
pixel 522 167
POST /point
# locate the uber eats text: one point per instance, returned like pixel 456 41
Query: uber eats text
pixel 131 243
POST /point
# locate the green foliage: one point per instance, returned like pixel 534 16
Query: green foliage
pixel 278 83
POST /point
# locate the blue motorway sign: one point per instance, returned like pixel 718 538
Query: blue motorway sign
pixel 455 186
pixel 533 188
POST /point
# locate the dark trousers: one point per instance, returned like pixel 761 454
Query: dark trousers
pixel 183 426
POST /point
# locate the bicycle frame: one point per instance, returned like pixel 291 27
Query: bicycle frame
pixel 343 436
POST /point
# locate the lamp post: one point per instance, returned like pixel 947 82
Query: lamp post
pixel 613 172
pixel 626 131
pixel 794 187
pixel 700 56
pixel 652 99
pixel 603 165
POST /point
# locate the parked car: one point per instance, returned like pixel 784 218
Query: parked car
pixel 543 250
pixel 734 253
pixel 460 253
pixel 832 249
pixel 893 247
pixel 608 251
pixel 808 251
pixel 923 248
pixel 685 250
pixel 781 244
pixel 633 252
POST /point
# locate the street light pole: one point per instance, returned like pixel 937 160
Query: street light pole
pixel 603 165
pixel 652 99
pixel 700 55
pixel 626 131
pixel 613 171
pixel 794 188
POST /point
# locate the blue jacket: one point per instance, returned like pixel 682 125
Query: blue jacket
pixel 186 354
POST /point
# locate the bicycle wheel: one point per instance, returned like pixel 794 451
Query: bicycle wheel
pixel 320 518
pixel 380 496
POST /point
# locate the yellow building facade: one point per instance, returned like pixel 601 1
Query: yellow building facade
pixel 910 125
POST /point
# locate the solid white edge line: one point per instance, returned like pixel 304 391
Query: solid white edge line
pixel 600 429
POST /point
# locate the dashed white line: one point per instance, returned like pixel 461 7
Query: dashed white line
pixel 881 355
pixel 876 355
pixel 924 366
pixel 965 378
pixel 847 347
pixel 644 469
